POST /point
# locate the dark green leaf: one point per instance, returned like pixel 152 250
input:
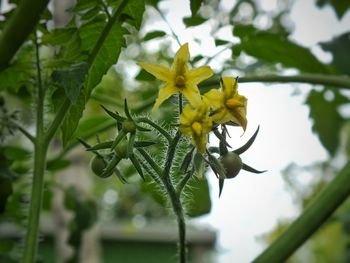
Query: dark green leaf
pixel 135 10
pixel 197 58
pixel 277 48
pixel 5 191
pixel 71 80
pixel 16 153
pixel 144 75
pixel 195 5
pixel 56 165
pixel 220 42
pixel 340 6
pixel 194 21
pixel 72 117
pixel 325 116
pixel 339 47
pixel 199 202
pixel 153 35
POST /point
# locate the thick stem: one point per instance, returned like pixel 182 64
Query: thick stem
pixel 31 241
pixel 314 216
pixel 18 28
pixel 40 150
pixel 330 80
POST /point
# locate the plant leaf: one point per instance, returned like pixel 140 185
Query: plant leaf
pixel 195 5
pixel 193 20
pixel 339 47
pixel 340 6
pixel 153 35
pixel 71 80
pixel 277 48
pixel 325 116
pixel 198 203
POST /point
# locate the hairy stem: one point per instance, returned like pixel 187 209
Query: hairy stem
pixel 314 216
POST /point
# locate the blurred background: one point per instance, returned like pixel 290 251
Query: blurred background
pixel 302 143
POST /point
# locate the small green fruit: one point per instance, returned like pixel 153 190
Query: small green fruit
pixel 232 164
pixel 98 164
pixel 121 149
pixel 129 126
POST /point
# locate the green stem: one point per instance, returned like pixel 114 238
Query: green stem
pixel 150 161
pixel 19 27
pixel 329 80
pixel 40 150
pixel 175 198
pixel 178 210
pixel 156 126
pixel 314 216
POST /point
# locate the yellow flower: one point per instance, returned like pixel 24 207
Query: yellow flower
pixel 196 124
pixel 227 104
pixel 179 78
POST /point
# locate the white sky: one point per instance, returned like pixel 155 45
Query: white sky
pixel 251 205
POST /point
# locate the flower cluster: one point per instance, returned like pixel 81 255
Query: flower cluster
pixel 203 112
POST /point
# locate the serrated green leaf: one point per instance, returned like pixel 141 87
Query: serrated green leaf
pixel 340 6
pixel 220 42
pixel 71 80
pixel 277 48
pixel 153 35
pixel 89 32
pixel 199 202
pixel 326 119
pixel 339 47
pixel 195 5
pixel 193 21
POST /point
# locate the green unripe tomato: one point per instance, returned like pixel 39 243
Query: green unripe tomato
pixel 232 164
pixel 98 164
pixel 121 149
pixel 129 126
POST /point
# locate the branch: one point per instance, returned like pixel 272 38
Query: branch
pixel 314 216
pixel 331 80
pixel 19 27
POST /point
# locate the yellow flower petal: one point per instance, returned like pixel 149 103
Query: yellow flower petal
pixel 164 93
pixel 159 71
pixel 214 98
pixel 191 93
pixel 229 86
pixel 199 74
